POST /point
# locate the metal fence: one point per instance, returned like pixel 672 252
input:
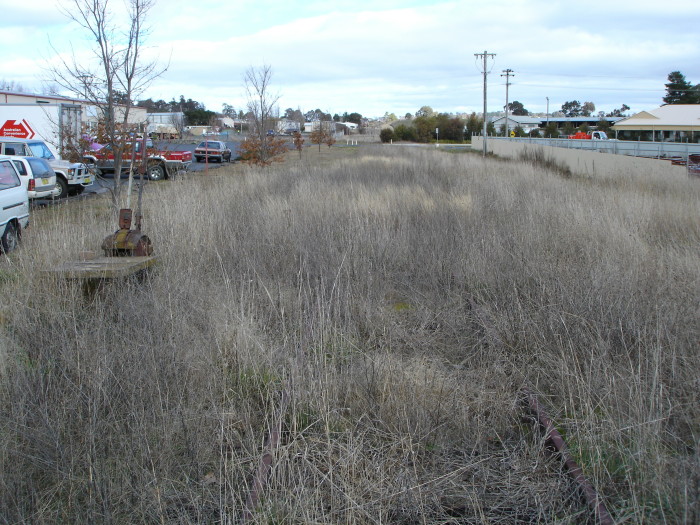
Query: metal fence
pixel 656 150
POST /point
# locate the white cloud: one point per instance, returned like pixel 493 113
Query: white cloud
pixel 374 56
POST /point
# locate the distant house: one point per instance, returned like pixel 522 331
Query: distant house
pixel 528 123
pixel 227 122
pixel 348 127
pixel 525 122
pixel 327 125
pixel 288 126
pixel 670 122
pixel 199 131
pixel 166 125
pixel 591 122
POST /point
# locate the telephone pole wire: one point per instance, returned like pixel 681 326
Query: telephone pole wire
pixel 485 71
pixel 507 73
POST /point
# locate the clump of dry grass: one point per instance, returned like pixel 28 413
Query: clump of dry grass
pixel 398 300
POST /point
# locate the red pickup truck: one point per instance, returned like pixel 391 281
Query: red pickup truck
pixel 161 164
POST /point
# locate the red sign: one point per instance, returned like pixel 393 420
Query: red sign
pixel 16 128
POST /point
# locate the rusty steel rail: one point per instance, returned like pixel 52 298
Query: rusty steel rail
pixel 553 437
pixel 260 479
pixel 551 434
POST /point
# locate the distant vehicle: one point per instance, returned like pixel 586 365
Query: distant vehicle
pixel 210 150
pixel 161 164
pixel 71 177
pixel 37 176
pixel 14 206
pixel 271 132
pixel 594 135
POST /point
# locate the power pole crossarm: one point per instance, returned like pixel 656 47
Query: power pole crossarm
pixel 485 71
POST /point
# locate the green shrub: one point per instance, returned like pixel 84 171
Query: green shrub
pixel 403 132
pixel 386 134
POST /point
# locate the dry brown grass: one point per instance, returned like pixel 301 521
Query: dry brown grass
pixel 346 280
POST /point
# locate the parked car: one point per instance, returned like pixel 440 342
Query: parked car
pixel 14 206
pixel 37 176
pixel 210 150
pixel 71 177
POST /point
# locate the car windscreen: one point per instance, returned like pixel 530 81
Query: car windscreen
pixel 39 149
pixel 8 175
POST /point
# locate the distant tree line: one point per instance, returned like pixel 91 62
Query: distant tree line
pixel 428 126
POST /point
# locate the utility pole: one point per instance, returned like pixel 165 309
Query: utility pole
pixel 485 56
pixel 547 114
pixel 508 74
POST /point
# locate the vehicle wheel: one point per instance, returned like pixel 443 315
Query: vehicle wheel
pixel 10 239
pixel 198 159
pixel 62 185
pixel 156 172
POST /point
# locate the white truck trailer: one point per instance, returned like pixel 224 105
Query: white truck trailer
pixel 58 127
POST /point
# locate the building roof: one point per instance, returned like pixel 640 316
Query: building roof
pixel 5 96
pixel 671 117
pixel 542 121
pixel 520 119
pixel 581 120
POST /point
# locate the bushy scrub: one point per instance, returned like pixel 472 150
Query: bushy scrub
pixel 386 134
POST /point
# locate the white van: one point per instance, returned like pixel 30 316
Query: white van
pixel 37 176
pixel 14 206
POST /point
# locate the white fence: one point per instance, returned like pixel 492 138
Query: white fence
pixel 585 162
pixel 655 150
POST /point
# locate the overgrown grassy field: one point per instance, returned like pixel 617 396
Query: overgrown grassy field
pixel 380 307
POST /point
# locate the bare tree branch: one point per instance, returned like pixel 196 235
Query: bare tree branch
pixel 116 76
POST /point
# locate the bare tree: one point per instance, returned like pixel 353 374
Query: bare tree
pixel 12 85
pixel 177 121
pixel 115 76
pixel 261 147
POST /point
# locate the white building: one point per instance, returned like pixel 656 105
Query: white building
pixel 670 122
pixel 166 125
pixel 525 122
pixel 137 115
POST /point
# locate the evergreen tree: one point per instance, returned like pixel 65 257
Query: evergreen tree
pixel 679 90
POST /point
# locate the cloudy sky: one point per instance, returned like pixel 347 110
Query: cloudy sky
pixel 378 56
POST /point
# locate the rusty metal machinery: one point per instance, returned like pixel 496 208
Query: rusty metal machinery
pixel 126 242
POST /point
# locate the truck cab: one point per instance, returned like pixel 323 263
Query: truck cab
pixel 71 177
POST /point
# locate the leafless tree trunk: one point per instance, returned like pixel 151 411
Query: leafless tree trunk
pixel 116 76
pixel 262 106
